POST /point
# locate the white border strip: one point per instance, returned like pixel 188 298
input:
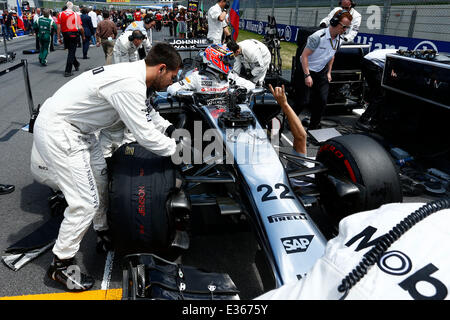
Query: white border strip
pixel 108 270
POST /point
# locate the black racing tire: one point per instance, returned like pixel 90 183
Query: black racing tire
pixel 366 163
pixel 140 184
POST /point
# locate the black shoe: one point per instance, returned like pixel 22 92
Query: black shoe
pixel 68 74
pixel 66 272
pixel 104 241
pixel 77 67
pixel 85 57
pixel 6 188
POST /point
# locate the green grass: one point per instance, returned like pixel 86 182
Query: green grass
pixel 287 51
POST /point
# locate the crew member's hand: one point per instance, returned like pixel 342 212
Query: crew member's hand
pixel 83 38
pixel 329 76
pixel 98 44
pixel 60 40
pixel 309 82
pixel 279 94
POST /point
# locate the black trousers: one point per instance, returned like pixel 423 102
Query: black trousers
pixel 313 98
pixel 71 42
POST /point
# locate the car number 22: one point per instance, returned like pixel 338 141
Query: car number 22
pixel 267 196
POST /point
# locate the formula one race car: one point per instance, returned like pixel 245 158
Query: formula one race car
pixel 227 162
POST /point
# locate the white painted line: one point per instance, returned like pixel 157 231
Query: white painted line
pixel 286 138
pixel 108 270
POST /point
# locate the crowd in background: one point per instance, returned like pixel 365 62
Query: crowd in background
pixel 180 22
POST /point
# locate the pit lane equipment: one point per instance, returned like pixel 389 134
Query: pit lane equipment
pixel 34 111
pixel 149 277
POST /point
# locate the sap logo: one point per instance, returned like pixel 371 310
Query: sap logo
pixel 297 243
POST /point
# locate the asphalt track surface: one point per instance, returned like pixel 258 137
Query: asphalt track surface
pixel 219 250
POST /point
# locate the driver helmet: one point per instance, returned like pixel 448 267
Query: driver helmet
pixel 219 58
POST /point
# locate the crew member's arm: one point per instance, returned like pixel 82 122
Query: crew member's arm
pixel 354 29
pixel 330 66
pixel 189 83
pixel 325 22
pixel 130 104
pixel 58 31
pixel 296 127
pixel 305 66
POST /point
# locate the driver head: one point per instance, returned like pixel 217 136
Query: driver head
pixel 218 58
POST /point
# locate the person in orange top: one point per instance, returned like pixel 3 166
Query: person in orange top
pixel 70 26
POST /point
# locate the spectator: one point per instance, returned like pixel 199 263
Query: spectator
pixel 9 23
pixel 44 28
pixel 94 20
pixel 35 22
pixel 106 34
pixel 54 35
pixel 88 30
pixel 71 27
pixel 99 17
pixel 181 20
pixel 172 17
pixel 137 15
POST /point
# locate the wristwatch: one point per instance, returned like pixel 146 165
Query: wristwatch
pixel 307 75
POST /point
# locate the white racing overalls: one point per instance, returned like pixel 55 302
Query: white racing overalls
pixel 66 154
pixel 126 51
pixel 255 57
pixel 202 83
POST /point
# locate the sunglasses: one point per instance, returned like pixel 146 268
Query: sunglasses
pixel 344 26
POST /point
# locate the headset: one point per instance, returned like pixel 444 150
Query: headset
pixel 335 20
pixel 140 36
pixel 148 20
pixel 353 3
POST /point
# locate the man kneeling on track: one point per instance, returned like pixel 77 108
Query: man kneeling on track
pixel 67 156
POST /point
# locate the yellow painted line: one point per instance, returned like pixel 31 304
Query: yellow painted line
pixel 111 294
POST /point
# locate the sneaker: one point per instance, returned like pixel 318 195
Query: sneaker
pixel 66 272
pixel 104 241
pixel 6 188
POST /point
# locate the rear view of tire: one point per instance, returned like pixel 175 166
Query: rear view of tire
pixel 362 161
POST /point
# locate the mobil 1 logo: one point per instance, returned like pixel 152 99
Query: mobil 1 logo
pixel 297 243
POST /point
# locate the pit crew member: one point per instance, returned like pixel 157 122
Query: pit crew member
pixel 348 5
pixel 317 61
pixel 253 56
pixel 66 154
pixel 127 45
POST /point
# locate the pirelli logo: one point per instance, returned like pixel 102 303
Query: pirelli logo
pixel 286 217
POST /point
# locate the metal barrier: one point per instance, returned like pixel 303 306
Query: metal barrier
pixel 33 111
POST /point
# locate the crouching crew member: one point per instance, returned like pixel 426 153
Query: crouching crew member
pixel 67 156
pixel 253 56
pixel 127 45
